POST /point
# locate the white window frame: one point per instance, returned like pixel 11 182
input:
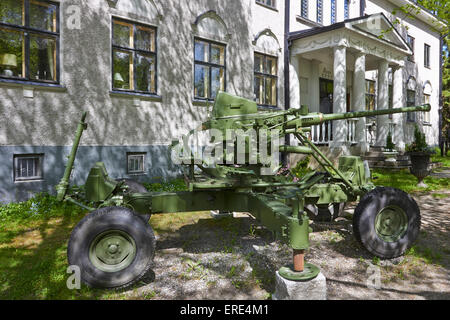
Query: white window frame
pixel 139 156
pixel 38 167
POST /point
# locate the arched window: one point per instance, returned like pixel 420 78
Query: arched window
pixel 210 43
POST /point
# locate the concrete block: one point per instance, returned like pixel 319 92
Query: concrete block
pixel 314 289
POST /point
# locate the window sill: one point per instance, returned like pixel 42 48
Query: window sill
pixel 142 96
pixel 202 103
pixel 32 84
pixel 308 22
pixel 266 6
pixel 28 181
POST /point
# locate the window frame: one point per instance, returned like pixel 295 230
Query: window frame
pixel 332 11
pixel 304 9
pixel 40 166
pixel 319 11
pixel 26 31
pixel 410 116
pixel 264 3
pixel 372 95
pixel 426 115
pixel 136 154
pixel 411 42
pixel 264 76
pixel 134 52
pixel 210 65
pixel 426 55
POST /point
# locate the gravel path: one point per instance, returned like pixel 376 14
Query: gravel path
pixel 237 258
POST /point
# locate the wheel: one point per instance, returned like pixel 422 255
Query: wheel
pixel 134 186
pixel 325 213
pixel 113 248
pixel 386 222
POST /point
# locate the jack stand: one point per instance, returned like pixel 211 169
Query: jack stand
pixel 299 270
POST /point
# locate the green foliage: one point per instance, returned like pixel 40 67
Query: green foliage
pixel 301 168
pixel 419 144
pixel 169 186
pixel 41 205
pixel 389 144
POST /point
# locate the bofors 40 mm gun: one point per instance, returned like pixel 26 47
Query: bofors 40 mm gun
pixel 114 244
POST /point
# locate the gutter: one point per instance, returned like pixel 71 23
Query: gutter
pixel 441 102
pixel 287 102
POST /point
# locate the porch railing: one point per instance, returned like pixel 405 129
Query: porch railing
pixel 323 133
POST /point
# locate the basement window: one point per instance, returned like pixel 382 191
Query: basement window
pixel 28 167
pixel 135 162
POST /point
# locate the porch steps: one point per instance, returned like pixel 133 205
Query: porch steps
pixel 377 159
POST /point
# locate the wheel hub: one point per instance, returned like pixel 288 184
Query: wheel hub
pixel 391 223
pixel 112 251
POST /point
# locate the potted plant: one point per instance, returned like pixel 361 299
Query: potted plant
pixel 419 153
pixel 389 151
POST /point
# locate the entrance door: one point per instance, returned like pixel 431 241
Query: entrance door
pixel 326 106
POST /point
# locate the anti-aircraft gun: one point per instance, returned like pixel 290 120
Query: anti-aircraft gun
pixel 114 244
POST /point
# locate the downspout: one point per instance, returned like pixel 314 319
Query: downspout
pixel 441 140
pixel 287 7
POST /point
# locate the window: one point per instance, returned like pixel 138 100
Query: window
pixel 426 55
pixel 28 167
pixel 304 9
pixel 426 114
pixel 209 69
pixel 410 41
pixel 265 80
pixel 319 11
pixel 29 40
pixel 269 3
pixel 410 102
pixel 370 95
pixel 133 56
pixel 135 162
pixel 333 11
pixel 346 9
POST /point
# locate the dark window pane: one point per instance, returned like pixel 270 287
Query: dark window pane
pixel 122 34
pixel 145 39
pixel 201 51
pixel 11 53
pixel 42 58
pixel 11 12
pixel 217 81
pixel 257 89
pixel 217 54
pixel 145 73
pixel 121 69
pixel 258 63
pixel 42 16
pixel 201 81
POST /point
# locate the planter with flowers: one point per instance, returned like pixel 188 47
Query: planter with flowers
pixel 419 153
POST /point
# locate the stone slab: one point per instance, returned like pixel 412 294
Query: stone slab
pixel 315 289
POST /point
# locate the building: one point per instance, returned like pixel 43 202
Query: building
pixel 146 71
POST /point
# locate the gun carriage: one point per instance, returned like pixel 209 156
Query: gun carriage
pixel 114 244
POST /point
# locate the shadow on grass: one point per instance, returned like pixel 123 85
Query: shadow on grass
pixel 33 261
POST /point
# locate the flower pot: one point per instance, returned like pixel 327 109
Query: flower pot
pixel 420 162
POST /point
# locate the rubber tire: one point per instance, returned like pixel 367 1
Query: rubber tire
pixel 134 186
pixel 364 221
pixel 101 220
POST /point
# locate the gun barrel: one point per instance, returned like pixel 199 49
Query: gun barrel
pixel 318 118
pixel 63 184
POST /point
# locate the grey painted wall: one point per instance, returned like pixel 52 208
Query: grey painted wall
pixel 158 166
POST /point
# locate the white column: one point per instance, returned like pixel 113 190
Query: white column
pixel 397 101
pixel 382 102
pixel 294 82
pixel 359 100
pixel 339 96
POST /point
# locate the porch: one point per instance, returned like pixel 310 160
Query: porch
pixel 329 67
